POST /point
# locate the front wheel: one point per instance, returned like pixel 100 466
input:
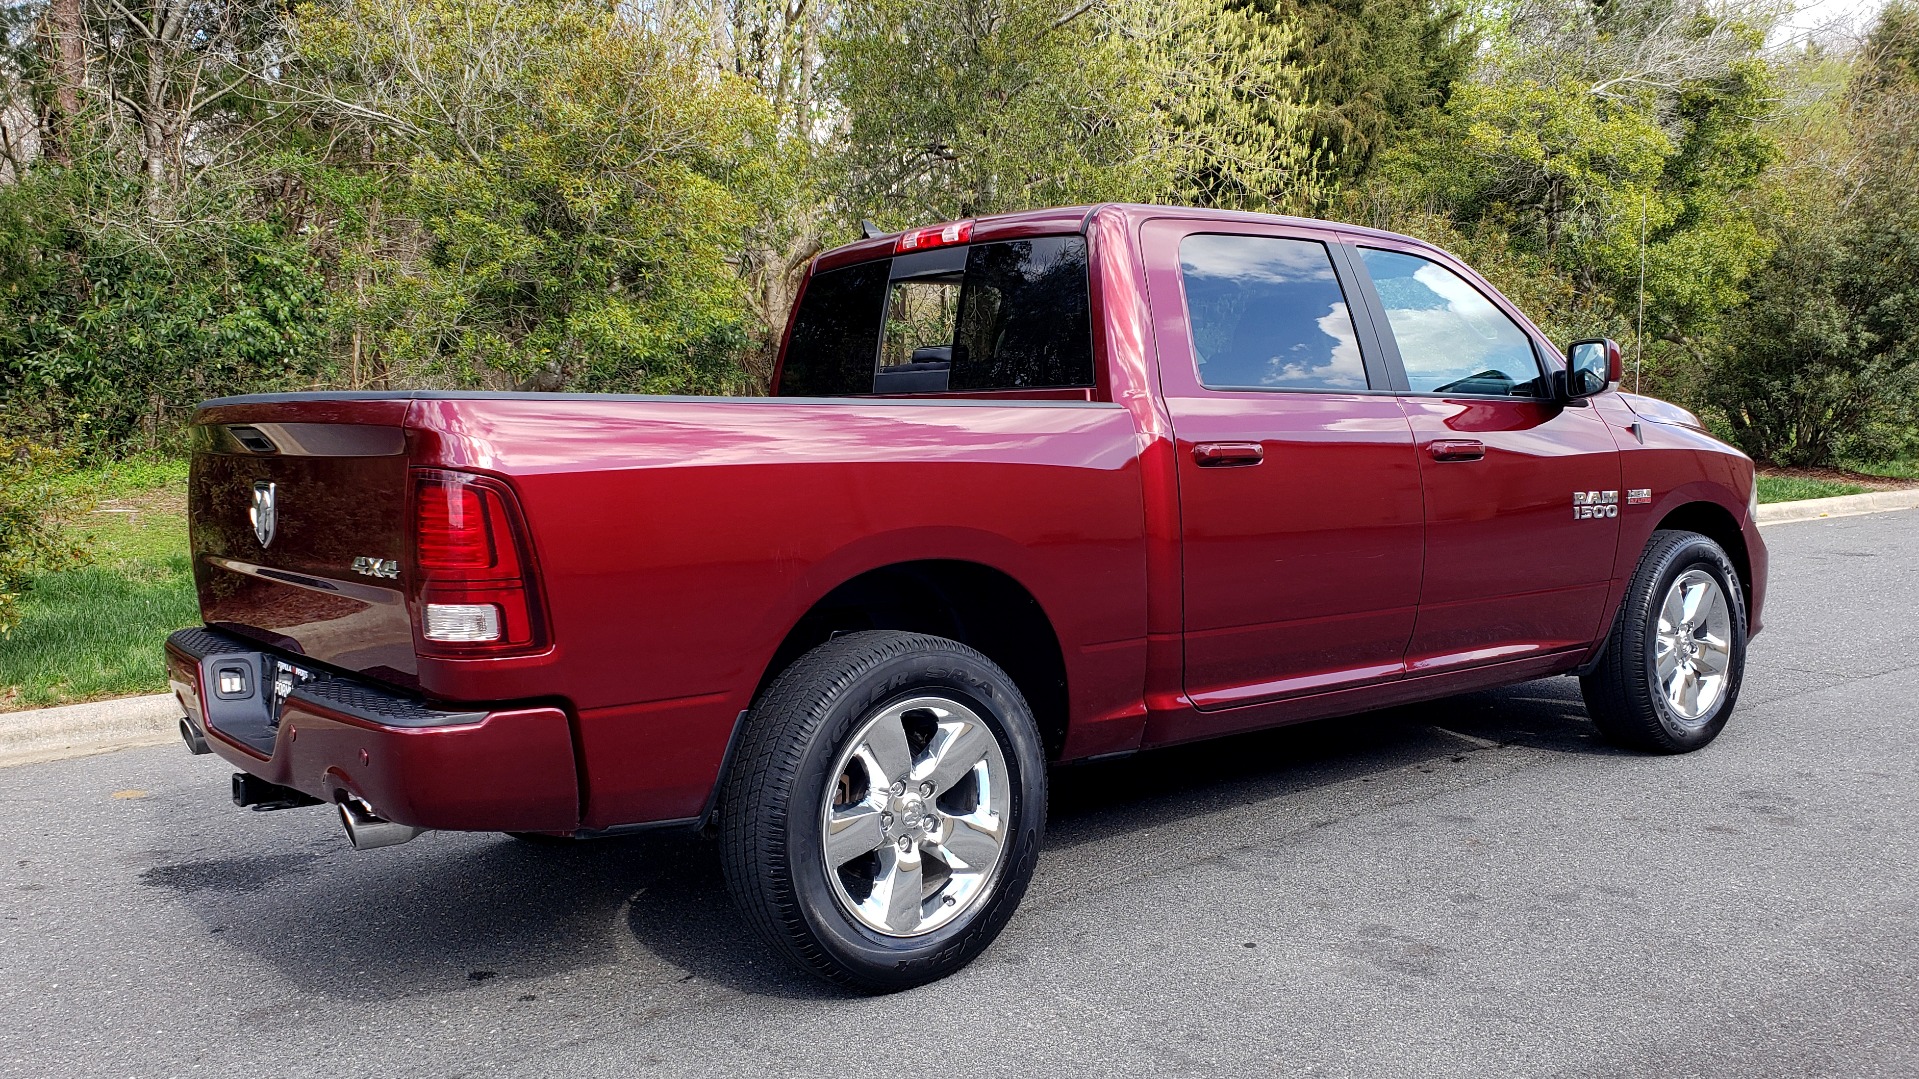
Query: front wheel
pixel 885 810
pixel 1677 653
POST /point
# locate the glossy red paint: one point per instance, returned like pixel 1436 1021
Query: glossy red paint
pixel 662 593
pixel 1294 583
pixel 1369 557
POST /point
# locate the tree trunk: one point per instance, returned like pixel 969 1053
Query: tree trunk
pixel 65 41
pixel 154 124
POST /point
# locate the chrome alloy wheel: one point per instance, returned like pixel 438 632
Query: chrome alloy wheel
pixel 916 819
pixel 1693 646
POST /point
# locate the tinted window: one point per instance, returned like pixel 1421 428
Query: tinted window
pixel 1451 338
pixel 1024 318
pixel 1011 315
pixel 836 331
pixel 1267 313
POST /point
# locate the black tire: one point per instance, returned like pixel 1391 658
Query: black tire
pixel 772 848
pixel 1622 692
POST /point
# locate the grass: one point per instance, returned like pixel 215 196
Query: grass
pixel 1794 488
pixel 1898 470
pixel 96 631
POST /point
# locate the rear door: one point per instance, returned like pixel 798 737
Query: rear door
pixel 1522 491
pixel 1301 519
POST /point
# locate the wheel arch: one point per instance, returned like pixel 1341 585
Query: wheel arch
pixel 976 604
pixel 1716 523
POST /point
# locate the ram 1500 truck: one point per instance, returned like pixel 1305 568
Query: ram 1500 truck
pixel 1036 488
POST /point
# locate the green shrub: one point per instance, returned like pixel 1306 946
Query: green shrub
pixel 34 511
pixel 111 331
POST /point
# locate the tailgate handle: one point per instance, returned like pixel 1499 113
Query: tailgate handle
pixel 1227 454
pixel 1457 449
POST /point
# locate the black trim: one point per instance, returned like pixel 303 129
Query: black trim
pixel 1100 758
pixel 1387 346
pixel 1592 664
pixel 675 824
pixel 252 720
pixel 252 792
pixel 492 395
pixel 928 263
pixel 1384 374
pixel 712 808
pixel 268 439
pixel 368 704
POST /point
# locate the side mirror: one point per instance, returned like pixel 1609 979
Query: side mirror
pixel 1591 366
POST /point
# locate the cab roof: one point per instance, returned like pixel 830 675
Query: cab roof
pixel 1075 219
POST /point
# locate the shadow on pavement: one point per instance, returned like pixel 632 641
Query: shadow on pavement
pixel 449 911
pixel 1097 802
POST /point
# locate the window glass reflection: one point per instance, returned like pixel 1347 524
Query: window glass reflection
pixel 1268 313
pixel 1451 338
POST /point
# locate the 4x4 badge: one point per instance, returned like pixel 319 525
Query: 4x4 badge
pixel 377 567
pixel 263 513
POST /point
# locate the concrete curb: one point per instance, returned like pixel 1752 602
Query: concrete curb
pixel 79 730
pixel 1812 509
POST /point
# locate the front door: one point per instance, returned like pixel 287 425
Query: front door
pixel 1299 487
pixel 1522 491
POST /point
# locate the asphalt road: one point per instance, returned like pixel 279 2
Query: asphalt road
pixel 1475 886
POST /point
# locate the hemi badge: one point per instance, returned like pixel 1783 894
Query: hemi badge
pixel 1638 496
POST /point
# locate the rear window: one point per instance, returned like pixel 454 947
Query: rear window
pixel 992 316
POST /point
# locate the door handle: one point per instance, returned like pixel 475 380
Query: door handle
pixel 1457 449
pixel 1227 454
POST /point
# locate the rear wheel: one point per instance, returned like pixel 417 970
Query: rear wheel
pixel 885 810
pixel 1677 653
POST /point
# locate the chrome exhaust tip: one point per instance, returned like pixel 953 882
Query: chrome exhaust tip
pixel 196 742
pixel 367 831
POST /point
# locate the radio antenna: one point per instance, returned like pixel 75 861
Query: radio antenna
pixel 1639 332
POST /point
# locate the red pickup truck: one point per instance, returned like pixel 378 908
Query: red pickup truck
pixel 1036 488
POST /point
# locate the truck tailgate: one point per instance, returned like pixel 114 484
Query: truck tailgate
pixel 299 529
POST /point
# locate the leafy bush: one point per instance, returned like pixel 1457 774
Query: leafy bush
pixel 34 511
pixel 111 331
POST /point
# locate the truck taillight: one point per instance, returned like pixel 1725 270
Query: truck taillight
pixel 473 589
pixel 453 531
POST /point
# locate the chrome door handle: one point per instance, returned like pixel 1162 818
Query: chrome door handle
pixel 1227 454
pixel 1457 449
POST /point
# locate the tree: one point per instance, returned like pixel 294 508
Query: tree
pixel 1605 149
pixel 1232 112
pixel 1373 71
pixel 564 190
pixel 1824 365
pixel 64 36
pixel 952 108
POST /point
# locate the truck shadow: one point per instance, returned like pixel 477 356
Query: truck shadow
pixel 1094 803
pixel 486 914
pixel 684 915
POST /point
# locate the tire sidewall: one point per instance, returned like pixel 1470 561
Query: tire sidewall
pixel 878 958
pixel 1696 552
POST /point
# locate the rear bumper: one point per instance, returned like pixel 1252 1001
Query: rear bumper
pixel 331 737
